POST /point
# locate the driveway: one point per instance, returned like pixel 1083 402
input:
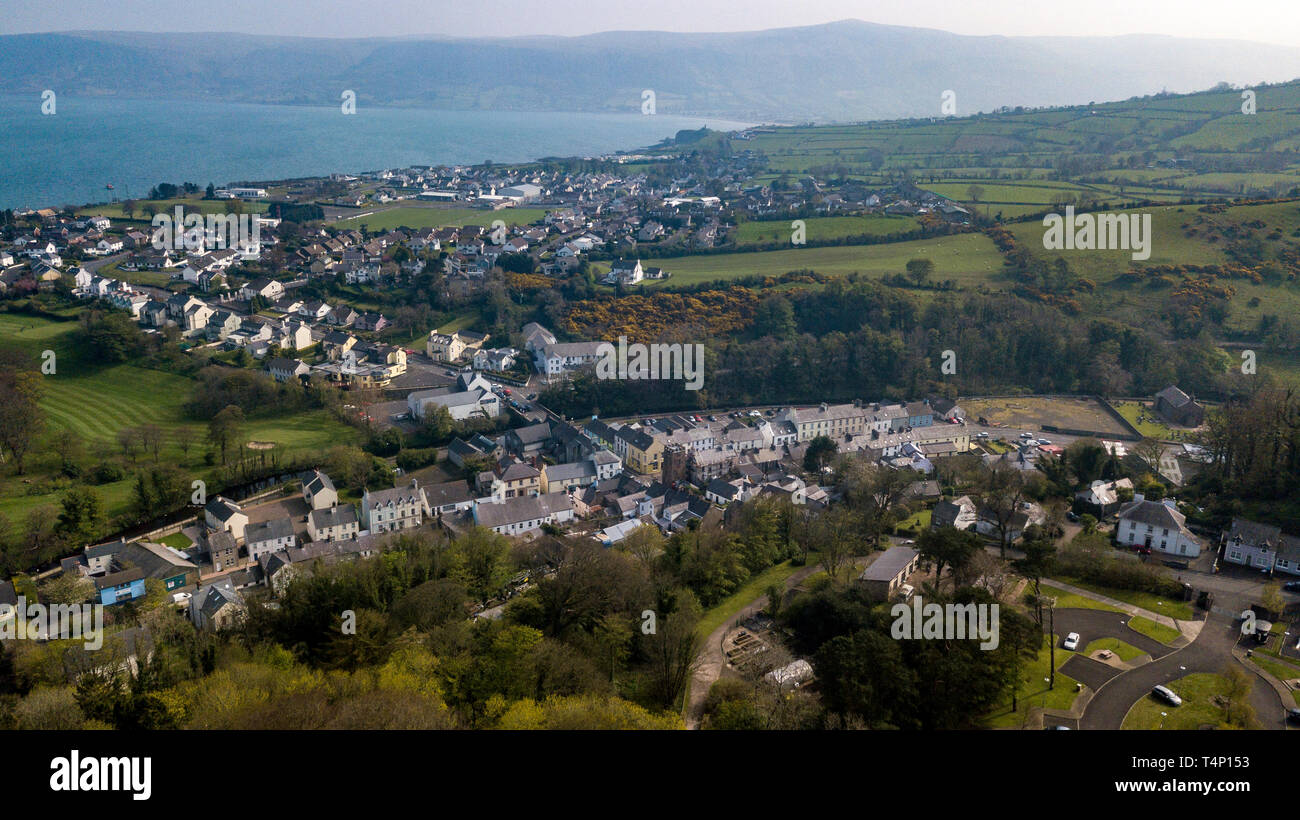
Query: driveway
pixel 1092 624
pixel 1211 652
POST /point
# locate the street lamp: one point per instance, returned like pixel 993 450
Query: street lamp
pixel 1163 715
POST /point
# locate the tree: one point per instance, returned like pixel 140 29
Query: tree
pixel 1001 495
pixel 975 192
pixel 819 453
pixel 673 651
pixel 80 514
pixel 1040 555
pixel 225 428
pixel 151 438
pixel 948 547
pixel 919 270
pixel 21 418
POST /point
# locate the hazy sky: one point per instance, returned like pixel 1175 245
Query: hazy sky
pixel 1274 21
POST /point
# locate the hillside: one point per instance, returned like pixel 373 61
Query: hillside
pixel 845 71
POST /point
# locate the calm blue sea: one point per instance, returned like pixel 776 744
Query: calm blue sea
pixel 68 157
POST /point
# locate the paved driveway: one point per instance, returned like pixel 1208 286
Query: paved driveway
pixel 1092 624
pixel 1211 652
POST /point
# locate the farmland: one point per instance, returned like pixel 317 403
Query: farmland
pixel 415 216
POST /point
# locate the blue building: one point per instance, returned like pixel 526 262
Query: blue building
pixel 119 587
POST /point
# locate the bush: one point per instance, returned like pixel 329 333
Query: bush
pixel 107 472
pixel 415 459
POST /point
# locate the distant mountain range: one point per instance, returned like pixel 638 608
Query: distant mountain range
pixel 850 70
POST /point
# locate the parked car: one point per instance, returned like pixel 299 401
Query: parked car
pixel 1042 442
pixel 1167 695
pixel 1071 642
pixel 713 418
pixel 1292 586
pixel 1293 715
pixel 1072 516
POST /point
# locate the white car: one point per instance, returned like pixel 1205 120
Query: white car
pixel 1042 442
pixel 1071 641
pixel 1167 695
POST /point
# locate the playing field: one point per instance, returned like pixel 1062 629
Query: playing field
pixel 432 216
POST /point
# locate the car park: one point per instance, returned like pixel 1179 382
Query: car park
pixel 1071 642
pixel 1167 695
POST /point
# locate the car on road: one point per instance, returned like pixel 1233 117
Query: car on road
pixel 532 397
pixel 1042 442
pixel 1293 715
pixel 1071 641
pixel 713 418
pixel 1292 586
pixel 1026 435
pixel 981 435
pixel 1167 695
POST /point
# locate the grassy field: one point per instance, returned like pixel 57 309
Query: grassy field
pixel 207 206
pixel 968 259
pixel 1179 610
pixel 1199 709
pixel 95 402
pixel 432 216
pixel 1137 414
pixel 820 229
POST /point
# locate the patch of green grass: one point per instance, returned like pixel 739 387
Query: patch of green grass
pixel 1126 652
pixel 1070 600
pixel 1148 627
pixel 1133 410
pixel 1178 610
pixel 755 587
pixel 914 523
pixel 177 540
pixel 824 228
pixel 967 259
pixel 1033 690
pixel 1198 709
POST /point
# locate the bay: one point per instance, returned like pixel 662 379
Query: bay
pixel 133 144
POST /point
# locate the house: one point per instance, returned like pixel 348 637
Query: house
pixel 835 421
pixel 449 497
pixel 558 357
pixel 522 514
pixel 265 537
pixel 1179 408
pixel 223 515
pixel 643 452
pixel 286 370
pixel 162 563
pixel 333 523
pixel 1261 546
pixel 217 606
pixel 269 289
pixel 1103 498
pixel 397 509
pixel 889 572
pixel 471 397
pixel 451 347
pixel 625 272
pixel 118 587
pixel 497 361
pixel 222 550
pixel 373 322
pixel 1156 525
pixel 100 557
pixel 319 491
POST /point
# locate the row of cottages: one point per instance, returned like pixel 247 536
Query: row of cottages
pixel 227 527
pixel 1261 546
pixel 400 508
pixel 840 421
pixel 1156 526
pixel 453 346
pixel 471 397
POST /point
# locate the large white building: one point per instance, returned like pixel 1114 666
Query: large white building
pixel 1156 525
pixel 472 396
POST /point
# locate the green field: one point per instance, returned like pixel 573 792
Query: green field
pixel 968 259
pixel 415 216
pixel 96 402
pixel 822 229
pixel 1125 652
pixel 1034 692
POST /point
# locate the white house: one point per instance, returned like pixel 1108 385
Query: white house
pixel 1156 525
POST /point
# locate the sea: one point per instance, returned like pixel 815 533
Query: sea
pixel 70 156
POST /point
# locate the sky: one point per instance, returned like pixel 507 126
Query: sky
pixel 1271 21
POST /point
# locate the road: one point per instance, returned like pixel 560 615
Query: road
pixel 1211 652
